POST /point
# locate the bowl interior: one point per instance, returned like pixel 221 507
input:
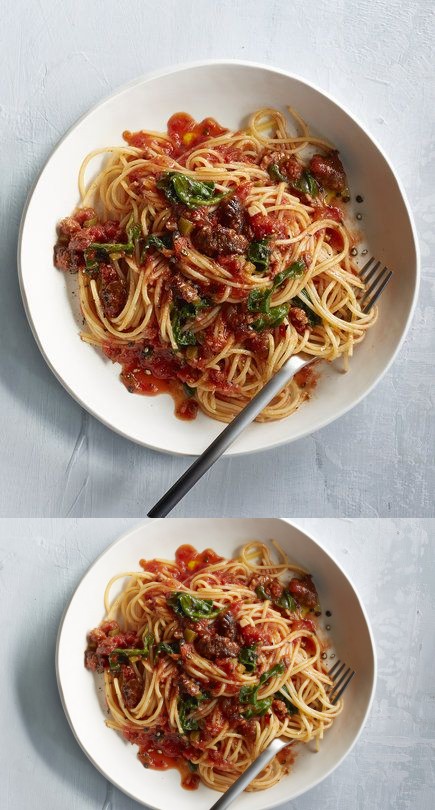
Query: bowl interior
pixel 116 759
pixel 229 92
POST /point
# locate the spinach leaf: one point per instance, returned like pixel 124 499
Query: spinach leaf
pixel 186 705
pixel 162 242
pixel 313 318
pixel 119 653
pixel 293 271
pixel 274 317
pixel 259 254
pixel 307 184
pixel 259 300
pixel 186 605
pixel 259 708
pixel 179 187
pixel 275 173
pixel 278 669
pixel 248 657
pixel 286 601
pixel 249 694
pixel 133 231
pixel 168 647
pixel 180 314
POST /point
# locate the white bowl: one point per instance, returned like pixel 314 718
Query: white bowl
pixel 116 759
pixel 229 91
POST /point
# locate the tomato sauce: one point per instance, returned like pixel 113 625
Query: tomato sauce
pixel 153 374
pixel 189 560
pixel 185 133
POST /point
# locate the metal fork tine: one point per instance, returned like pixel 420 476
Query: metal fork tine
pixel 369 275
pixel 368 292
pixel 338 694
pixel 364 269
pixel 376 295
pixel 337 664
pixel 337 672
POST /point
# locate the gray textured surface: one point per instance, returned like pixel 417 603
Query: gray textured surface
pixel 61 58
pixel 392 563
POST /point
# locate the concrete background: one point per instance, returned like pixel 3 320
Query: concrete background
pixel 59 58
pixel 392 564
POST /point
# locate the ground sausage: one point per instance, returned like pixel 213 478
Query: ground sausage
pixel 271 585
pixel 183 288
pixel 65 259
pixel 280 709
pixel 188 685
pixel 226 625
pixel 215 241
pixel 113 292
pixel 287 164
pixel 299 319
pixel 131 687
pixel 231 213
pixel 230 708
pixel 218 647
pixel 328 171
pixel 304 591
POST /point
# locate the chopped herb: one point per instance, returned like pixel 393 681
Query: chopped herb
pixel 259 254
pixel 275 173
pixel 186 605
pixel 248 657
pixel 179 187
pixel 189 390
pixel 185 226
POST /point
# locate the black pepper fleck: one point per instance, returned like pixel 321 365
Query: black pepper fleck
pixel 324 655
pixel 332 655
pixel 359 216
pixel 359 199
pixel 346 199
pixel 364 252
pixel 328 613
pixel 354 252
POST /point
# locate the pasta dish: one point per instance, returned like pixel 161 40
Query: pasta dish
pixel 206 258
pixel 206 660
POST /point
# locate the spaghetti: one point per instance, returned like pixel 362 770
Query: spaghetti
pixel 206 258
pixel 206 660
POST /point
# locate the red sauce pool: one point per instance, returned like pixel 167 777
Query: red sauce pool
pixel 159 761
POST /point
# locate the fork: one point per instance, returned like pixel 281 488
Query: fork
pixel 341 676
pixel 371 275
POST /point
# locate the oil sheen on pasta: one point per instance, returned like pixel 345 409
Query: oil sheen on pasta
pixel 206 660
pixel 207 257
